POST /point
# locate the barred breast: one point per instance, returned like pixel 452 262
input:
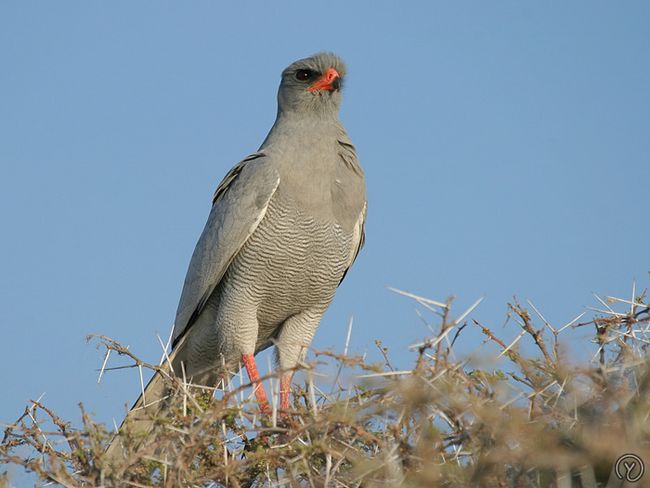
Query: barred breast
pixel 292 263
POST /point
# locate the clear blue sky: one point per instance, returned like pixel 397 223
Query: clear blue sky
pixel 506 147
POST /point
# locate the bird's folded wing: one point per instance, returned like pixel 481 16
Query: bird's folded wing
pixel 358 240
pixel 239 204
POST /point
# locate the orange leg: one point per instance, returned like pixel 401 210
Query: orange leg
pixel 285 389
pixel 254 377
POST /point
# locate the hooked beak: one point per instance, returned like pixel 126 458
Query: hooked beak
pixel 330 81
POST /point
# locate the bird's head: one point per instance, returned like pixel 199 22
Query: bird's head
pixel 312 84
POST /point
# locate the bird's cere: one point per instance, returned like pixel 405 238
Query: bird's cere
pixel 328 81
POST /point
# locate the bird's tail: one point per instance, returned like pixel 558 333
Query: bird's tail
pixel 154 403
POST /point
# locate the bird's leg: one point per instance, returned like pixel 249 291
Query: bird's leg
pixel 254 377
pixel 290 346
pixel 285 390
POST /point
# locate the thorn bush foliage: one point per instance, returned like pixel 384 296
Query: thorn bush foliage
pixel 534 417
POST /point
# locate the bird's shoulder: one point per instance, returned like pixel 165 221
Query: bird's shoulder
pixel 254 168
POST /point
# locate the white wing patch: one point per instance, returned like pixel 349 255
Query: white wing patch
pixel 357 235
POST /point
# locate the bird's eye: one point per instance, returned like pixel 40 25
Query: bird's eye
pixel 305 74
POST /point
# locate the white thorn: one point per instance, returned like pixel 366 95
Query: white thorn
pixel 418 298
pixel 101 372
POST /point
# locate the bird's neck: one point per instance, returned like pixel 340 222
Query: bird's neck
pixel 292 130
pixel 305 152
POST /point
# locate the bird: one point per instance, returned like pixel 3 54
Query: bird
pixel 286 224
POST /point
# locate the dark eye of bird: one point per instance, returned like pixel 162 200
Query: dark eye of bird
pixel 305 74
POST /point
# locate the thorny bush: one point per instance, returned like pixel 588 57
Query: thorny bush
pixel 532 418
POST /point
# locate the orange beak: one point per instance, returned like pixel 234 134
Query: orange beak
pixel 329 81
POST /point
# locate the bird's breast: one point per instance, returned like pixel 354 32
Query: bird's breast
pixel 293 262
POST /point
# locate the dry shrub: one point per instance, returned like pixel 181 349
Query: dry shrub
pixel 531 419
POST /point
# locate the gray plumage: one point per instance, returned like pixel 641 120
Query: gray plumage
pixel 285 226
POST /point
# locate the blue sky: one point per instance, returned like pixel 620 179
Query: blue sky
pixel 506 147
